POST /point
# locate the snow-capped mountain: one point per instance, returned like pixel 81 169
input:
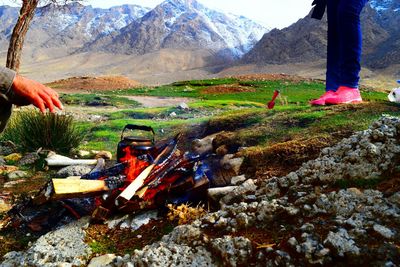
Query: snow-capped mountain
pixel 384 5
pixel 185 24
pixel 68 27
pixel 177 36
pixel 132 29
pixel 306 39
pixel 86 20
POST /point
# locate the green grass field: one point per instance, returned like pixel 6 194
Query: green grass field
pixel 243 112
pixel 227 105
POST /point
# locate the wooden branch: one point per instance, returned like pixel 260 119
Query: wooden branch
pixel 69 188
pixel 58 160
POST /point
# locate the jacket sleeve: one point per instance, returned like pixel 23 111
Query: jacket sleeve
pixel 319 9
pixel 5 113
pixel 6 81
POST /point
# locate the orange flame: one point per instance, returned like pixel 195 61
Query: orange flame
pixel 135 165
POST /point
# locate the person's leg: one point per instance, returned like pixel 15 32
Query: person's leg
pixel 350 37
pixel 350 45
pixel 332 64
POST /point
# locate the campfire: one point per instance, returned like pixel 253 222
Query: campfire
pixel 147 175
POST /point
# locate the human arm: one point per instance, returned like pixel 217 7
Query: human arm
pixel 22 91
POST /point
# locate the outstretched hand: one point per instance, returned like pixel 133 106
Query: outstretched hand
pixel 32 92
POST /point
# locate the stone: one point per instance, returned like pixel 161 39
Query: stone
pixel 219 192
pixel 102 260
pixel 365 155
pixel 293 242
pixel 384 231
pixel 308 227
pixel 395 198
pixel 171 254
pixel 237 180
pixel 183 106
pixel 114 222
pixel 77 170
pixel 243 220
pixel 234 251
pixel 230 162
pixel 342 243
pixel 143 219
pixel 15 157
pixel 173 115
pixel 107 155
pixel 203 146
pixel 7 148
pixel 64 245
pixel 29 159
pixel 16 175
pixel 2 161
pixel 183 235
pixel 239 192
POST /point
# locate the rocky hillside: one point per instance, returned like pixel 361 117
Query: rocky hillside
pixel 66 28
pixel 184 24
pixel 306 40
pixel 130 29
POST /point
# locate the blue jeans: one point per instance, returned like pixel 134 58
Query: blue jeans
pixel 344 43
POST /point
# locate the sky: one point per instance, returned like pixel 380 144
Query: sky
pixel 270 13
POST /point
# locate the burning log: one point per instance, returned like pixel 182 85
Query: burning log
pixel 161 160
pixel 137 182
pixel 70 188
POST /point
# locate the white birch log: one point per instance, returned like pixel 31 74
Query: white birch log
pixel 60 161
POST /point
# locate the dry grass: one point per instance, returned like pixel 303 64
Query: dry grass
pixel 185 214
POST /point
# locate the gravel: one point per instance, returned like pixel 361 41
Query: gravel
pixel 64 246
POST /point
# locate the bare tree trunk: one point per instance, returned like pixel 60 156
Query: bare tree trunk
pixel 18 36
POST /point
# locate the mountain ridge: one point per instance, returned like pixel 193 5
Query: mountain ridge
pixel 306 40
pixel 184 24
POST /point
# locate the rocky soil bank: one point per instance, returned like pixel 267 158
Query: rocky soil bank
pixel 318 215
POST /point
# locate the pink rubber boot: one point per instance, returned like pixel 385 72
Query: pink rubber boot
pixel 321 101
pixel 344 95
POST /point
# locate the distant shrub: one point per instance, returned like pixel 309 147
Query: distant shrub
pixel 32 130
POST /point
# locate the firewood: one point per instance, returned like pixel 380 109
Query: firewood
pixel 58 160
pixel 161 159
pixel 64 188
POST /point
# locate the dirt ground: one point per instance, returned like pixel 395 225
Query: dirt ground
pixel 272 77
pixel 156 101
pixel 87 84
pixel 227 88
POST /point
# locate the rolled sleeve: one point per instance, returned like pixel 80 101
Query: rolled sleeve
pixel 6 80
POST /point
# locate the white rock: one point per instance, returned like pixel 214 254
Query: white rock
pixel 238 179
pixel 342 242
pixel 384 231
pixel 219 192
pixel 102 260
pixel 183 106
pixel 15 175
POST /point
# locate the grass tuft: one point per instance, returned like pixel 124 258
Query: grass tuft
pixel 32 130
